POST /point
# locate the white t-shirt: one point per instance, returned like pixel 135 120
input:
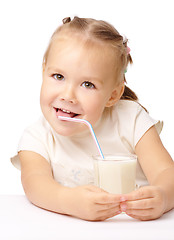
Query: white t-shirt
pixel 71 157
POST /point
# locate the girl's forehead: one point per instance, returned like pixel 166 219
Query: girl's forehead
pixel 64 45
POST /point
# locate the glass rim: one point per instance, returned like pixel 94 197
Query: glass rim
pixel 124 156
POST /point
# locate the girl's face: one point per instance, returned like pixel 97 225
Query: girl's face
pixel 78 82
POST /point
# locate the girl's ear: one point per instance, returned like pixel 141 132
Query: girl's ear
pixel 115 95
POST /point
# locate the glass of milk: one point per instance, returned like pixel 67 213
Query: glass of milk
pixel 116 173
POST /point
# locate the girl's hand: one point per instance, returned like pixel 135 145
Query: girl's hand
pixel 92 203
pixel 146 203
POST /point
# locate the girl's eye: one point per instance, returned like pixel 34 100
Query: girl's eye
pixel 58 77
pixel 88 85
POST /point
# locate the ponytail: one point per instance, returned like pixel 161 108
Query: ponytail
pixel 128 94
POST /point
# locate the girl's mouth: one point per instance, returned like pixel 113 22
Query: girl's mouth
pixel 65 113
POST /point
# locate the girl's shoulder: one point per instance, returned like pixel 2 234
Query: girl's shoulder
pixel 128 103
pixel 130 116
pixel 127 107
pixel 39 132
pixel 41 126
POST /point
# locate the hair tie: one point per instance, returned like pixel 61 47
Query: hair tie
pixel 66 20
pixel 128 50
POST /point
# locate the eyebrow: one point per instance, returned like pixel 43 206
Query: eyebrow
pixel 93 79
pixel 54 69
pixel 86 78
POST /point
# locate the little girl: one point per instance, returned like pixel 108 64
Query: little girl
pixel 84 77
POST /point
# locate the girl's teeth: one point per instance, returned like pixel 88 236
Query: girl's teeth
pixel 66 111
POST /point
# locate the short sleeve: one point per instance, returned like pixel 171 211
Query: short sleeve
pixel 143 122
pixel 33 139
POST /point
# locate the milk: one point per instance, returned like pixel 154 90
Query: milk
pixel 115 174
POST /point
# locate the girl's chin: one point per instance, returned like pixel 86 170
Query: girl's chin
pixel 69 131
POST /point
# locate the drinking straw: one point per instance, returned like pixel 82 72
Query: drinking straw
pixel 90 128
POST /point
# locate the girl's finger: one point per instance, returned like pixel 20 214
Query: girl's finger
pixel 142 218
pixel 106 198
pixel 112 214
pixel 140 213
pixel 103 207
pixel 138 204
pixel 94 188
pixel 142 193
pixel 103 215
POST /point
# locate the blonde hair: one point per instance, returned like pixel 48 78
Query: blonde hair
pixel 101 32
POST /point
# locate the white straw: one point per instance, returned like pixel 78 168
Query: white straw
pixel 90 128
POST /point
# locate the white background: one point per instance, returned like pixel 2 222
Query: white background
pixel 25 29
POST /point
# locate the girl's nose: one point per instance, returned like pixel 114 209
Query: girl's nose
pixel 68 95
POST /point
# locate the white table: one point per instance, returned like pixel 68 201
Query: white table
pixel 20 220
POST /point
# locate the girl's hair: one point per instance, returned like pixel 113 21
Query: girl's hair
pixel 98 31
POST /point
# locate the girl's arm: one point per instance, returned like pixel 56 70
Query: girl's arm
pixel 86 202
pixel 152 201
